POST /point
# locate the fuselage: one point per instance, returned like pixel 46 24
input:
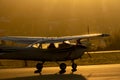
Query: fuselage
pixel 51 54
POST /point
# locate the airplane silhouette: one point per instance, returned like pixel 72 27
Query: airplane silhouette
pixel 38 52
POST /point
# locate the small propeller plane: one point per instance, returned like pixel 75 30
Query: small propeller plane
pixel 36 51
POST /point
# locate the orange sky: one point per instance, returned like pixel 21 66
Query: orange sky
pixel 58 16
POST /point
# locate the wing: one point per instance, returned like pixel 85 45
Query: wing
pixel 22 39
pixel 31 40
pixel 66 38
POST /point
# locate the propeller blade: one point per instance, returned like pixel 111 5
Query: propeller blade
pixel 89 55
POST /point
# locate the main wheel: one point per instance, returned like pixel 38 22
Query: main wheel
pixel 39 67
pixel 62 67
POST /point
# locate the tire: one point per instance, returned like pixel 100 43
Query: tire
pixel 39 66
pixel 62 66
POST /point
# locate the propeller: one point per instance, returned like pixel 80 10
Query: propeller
pixel 88 42
pixel 89 55
pixel 85 42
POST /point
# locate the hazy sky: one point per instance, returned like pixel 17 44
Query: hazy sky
pixel 59 17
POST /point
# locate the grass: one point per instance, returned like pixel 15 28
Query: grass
pixel 101 58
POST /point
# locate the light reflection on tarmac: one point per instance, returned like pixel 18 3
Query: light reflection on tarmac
pixel 90 72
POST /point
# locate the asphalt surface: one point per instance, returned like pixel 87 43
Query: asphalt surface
pixel 90 72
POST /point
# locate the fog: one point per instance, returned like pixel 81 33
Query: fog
pixel 59 17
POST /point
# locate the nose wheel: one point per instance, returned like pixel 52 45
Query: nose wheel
pixel 74 67
pixel 63 68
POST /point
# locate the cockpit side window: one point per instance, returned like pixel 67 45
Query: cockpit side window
pixel 36 45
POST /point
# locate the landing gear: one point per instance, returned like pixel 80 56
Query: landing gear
pixel 39 67
pixel 63 68
pixel 74 67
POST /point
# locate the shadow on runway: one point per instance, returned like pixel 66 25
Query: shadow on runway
pixel 51 77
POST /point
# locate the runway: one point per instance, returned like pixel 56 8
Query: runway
pixel 90 72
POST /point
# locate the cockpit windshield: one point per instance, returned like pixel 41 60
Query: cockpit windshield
pixel 46 45
pixel 51 45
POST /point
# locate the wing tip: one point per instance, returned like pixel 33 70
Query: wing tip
pixel 105 35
